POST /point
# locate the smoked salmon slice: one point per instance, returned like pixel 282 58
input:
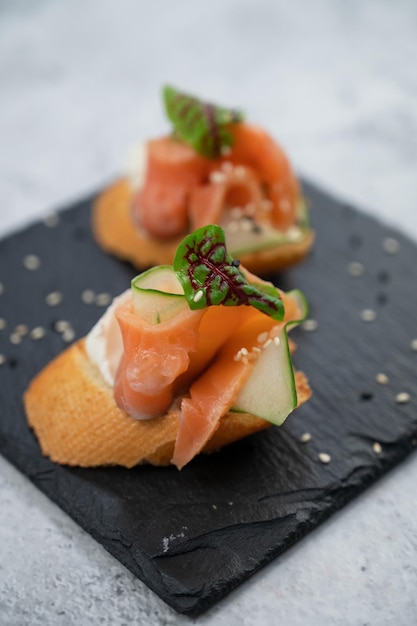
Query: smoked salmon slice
pixel 154 355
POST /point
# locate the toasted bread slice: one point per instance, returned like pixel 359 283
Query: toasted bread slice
pixel 116 233
pixel 77 422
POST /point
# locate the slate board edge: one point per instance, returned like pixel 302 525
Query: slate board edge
pixel 200 605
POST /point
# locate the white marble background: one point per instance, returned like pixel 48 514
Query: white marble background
pixel 336 83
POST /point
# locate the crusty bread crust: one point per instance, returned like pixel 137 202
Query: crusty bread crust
pixel 77 422
pixel 115 232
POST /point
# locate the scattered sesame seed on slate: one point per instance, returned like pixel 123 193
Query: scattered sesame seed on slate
pixel 88 296
pixel 54 298
pixel 414 345
pixel 31 262
pixel 324 457
pixel 2 359
pixel 310 325
pixel 2 323
pixel 305 438
pixel 37 333
pixel 355 269
pixel 376 447
pixel 15 339
pixel 21 329
pixel 390 245
pixel 382 379
pixel 68 334
pixel 368 315
pixel 51 220
pixel 61 325
pixel 403 397
pixel 103 299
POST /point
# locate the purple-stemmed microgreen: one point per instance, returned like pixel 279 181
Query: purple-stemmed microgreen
pixel 210 276
pixel 200 124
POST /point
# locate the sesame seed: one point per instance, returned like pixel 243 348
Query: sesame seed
pixel 2 359
pixel 382 379
pixel 294 233
pixel 390 245
pixel 256 349
pixel 414 345
pixel 15 338
pixel 227 167
pixel 217 177
pixel 54 298
pixel 277 341
pixel 2 323
pixel 377 447
pixel 198 295
pixel 262 337
pixel 51 220
pixel 309 325
pixel 240 171
pixel 103 299
pixel 250 208
pixel 233 227
pixel 355 268
pixel 68 334
pixel 267 342
pixel 236 212
pixel 88 296
pixel 246 225
pixel 403 397
pixel 242 355
pixel 61 326
pixel 324 457
pixel 37 333
pixel 305 438
pixel 31 262
pixel 368 315
pixel 21 329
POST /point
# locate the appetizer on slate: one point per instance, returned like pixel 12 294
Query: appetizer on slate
pixel 213 169
pixel 192 357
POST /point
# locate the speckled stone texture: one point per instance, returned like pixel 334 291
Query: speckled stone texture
pixel 335 83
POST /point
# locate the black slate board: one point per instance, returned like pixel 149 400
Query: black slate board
pixel 193 536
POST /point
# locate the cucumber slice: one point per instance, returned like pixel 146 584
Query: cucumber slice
pixel 270 391
pixel 245 235
pixel 302 303
pixel 158 295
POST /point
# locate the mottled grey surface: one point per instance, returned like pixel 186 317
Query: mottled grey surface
pixel 335 81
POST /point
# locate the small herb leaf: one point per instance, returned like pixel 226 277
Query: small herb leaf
pixel 210 276
pixel 201 125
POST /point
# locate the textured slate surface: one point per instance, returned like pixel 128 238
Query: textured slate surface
pixel 195 535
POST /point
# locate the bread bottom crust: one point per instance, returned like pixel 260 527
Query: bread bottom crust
pixel 115 232
pixel 75 418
